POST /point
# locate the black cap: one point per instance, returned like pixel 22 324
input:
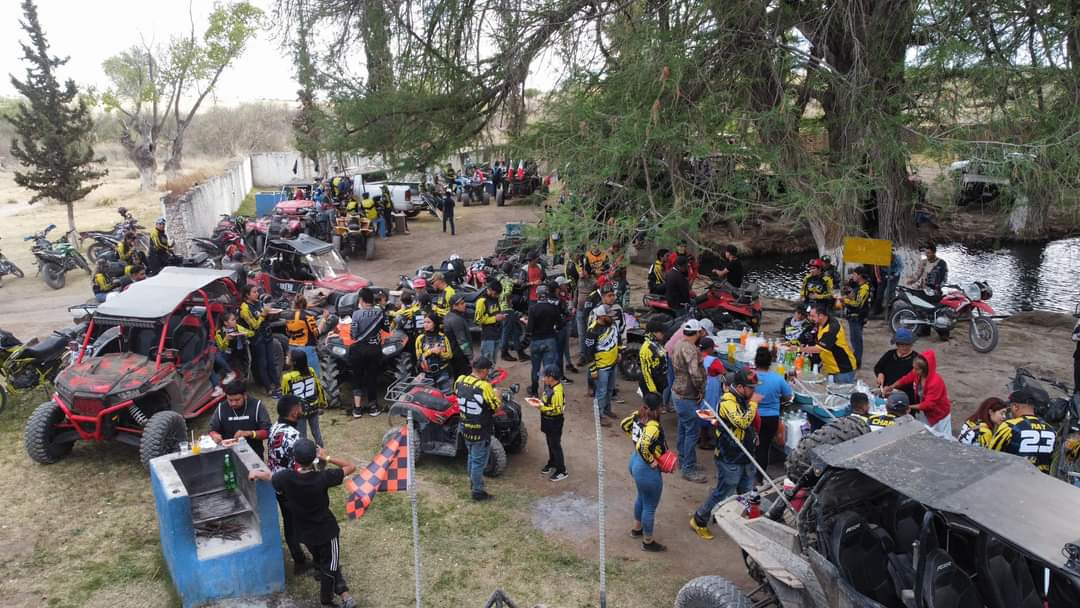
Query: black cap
pixel 481 363
pixel 653 401
pixel 744 377
pixel 533 255
pixel 304 452
pixel 1021 396
pixel 706 343
pixel 607 288
pixel 457 299
pixel 655 325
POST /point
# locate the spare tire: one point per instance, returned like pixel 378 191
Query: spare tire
pixel 837 431
pixel 711 592
pixel 162 435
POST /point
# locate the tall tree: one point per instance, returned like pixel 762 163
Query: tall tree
pixel 53 126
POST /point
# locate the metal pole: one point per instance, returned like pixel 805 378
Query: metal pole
pixel 600 502
pixel 412 500
pixel 764 473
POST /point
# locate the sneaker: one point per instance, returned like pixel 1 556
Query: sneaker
pixel 547 470
pixel 357 412
pixel 481 496
pixel 375 411
pixel 506 356
pixel 559 476
pixel 653 547
pixel 349 603
pixel 605 422
pixel 566 380
pixel 636 533
pixel 570 367
pixel 702 531
pixel 217 392
pixel 229 377
pixel 693 476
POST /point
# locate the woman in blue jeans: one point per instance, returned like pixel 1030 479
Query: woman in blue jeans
pixel 643 427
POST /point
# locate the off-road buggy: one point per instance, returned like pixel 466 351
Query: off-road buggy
pixel 902 518
pixel 153 376
pixel 292 266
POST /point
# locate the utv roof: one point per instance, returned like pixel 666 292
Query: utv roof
pixel 159 295
pixel 302 244
pixel 1000 492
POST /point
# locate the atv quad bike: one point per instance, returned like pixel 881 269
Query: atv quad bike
pixel 155 375
pixel 901 518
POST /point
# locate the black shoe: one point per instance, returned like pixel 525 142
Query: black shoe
pixel 559 476
pixel 653 547
pixel 547 470
pixel 566 380
pixel 300 568
pixel 572 368
pixel 636 533
pixel 522 355
pixel 506 356
pixel 481 496
pixel 357 412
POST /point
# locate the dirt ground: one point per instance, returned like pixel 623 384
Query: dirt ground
pixel 83 532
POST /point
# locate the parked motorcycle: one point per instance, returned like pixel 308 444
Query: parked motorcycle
pixel 915 308
pixel 27 366
pixel 8 267
pixel 437 422
pixel 1061 412
pixel 54 259
pixel 726 310
pixel 104 241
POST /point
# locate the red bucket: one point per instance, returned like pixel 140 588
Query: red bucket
pixel 667 462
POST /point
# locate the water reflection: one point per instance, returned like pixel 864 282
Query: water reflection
pixel 1023 276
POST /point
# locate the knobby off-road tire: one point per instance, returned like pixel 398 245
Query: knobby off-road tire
pixel 40 434
pixel 279 345
pixel 369 248
pixel 983 334
pixel 711 592
pixel 902 312
pixel 54 276
pixel 806 523
pixel 496 464
pixel 630 364
pixel 837 431
pixel 15 270
pixel 331 381
pixel 500 198
pixel 162 435
pixel 97 250
pixel 523 440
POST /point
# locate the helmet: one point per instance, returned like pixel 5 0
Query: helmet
pixel 419 283
pixel 122 210
pixel 454 257
pixel 817 263
pixel 160 221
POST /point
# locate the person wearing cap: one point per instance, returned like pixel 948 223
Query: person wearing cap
pixel 552 403
pixel 734 469
pixel 489 317
pixel 279 457
pixel 687 393
pixel 161 250
pixel 1025 434
pixel 645 431
pixel 775 392
pixel 979 428
pixel 305 489
pixel 542 329
pixel 816 287
pixel 837 360
pixel 856 304
pixel 602 352
pixel 896 363
pixel 896 406
pixel 677 285
pixel 654 362
pixel 457 330
pixel 828 269
pixel 479 402
pixel 931 395
pixel 443 293
pixel 605 294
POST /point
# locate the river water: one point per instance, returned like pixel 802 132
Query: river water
pixel 1023 276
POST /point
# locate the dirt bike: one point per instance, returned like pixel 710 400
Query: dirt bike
pixel 437 422
pixel 1061 412
pixel 54 259
pixel 725 309
pixel 914 308
pixel 8 267
pixel 105 241
pixel 27 366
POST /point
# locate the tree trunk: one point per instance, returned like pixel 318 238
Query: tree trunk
pixel 71 218
pixel 141 153
pixel 176 155
pixel 375 29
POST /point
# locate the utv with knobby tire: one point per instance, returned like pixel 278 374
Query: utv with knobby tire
pixel 154 375
pixel 902 518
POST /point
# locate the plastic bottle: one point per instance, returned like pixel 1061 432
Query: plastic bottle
pixel 731 350
pixel 743 337
pixel 799 360
pixel 230 474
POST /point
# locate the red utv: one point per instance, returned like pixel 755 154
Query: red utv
pixel 292 266
pixel 143 384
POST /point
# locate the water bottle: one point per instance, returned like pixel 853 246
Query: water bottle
pixel 230 474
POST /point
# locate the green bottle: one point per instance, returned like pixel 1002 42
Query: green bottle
pixel 230 474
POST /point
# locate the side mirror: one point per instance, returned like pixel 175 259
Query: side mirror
pixel 515 387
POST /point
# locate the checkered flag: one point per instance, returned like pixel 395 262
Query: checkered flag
pixel 387 472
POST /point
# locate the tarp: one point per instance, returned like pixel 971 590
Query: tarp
pixel 999 492
pixel 157 296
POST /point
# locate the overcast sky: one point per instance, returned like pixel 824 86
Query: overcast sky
pixel 89 31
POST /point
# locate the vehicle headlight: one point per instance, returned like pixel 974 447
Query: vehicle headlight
pixel 388 350
pixel 338 350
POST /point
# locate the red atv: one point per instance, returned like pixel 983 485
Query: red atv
pixel 142 384
pixel 437 422
pixel 292 266
pixel 725 309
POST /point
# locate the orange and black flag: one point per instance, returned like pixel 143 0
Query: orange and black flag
pixel 387 472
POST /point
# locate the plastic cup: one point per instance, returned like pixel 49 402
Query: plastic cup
pixel 185 448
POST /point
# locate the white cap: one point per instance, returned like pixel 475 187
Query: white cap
pixel 708 326
pixel 691 326
pixel 561 280
pixel 602 311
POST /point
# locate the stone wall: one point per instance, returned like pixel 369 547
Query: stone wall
pixel 196 212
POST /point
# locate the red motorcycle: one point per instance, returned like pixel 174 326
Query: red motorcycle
pixel 915 308
pixel 725 309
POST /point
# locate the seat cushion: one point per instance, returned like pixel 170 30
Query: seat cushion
pixel 860 557
pixel 429 398
pixel 47 347
pixel 1005 579
pixel 946 585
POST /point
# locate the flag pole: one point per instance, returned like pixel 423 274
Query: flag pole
pixel 600 502
pixel 412 501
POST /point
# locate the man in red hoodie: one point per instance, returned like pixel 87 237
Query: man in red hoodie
pixel 931 397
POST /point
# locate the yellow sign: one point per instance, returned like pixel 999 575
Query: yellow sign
pixel 875 252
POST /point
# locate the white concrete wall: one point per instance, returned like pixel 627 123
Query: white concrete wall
pixel 272 169
pixel 196 212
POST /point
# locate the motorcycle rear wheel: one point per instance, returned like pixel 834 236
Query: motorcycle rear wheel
pixel 15 270
pixel 903 317
pixel 983 334
pixel 97 250
pixel 54 276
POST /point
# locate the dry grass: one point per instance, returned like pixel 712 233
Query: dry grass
pixel 180 184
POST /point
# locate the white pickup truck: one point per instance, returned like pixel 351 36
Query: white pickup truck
pixel 405 194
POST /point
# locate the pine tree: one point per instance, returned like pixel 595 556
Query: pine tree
pixel 52 125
